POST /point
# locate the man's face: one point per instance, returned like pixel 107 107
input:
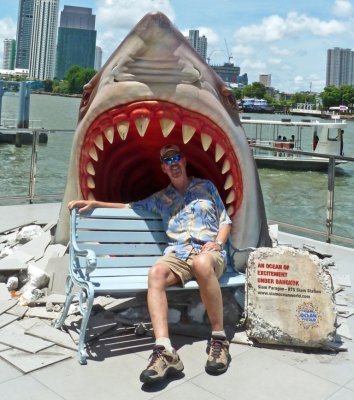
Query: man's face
pixel 174 165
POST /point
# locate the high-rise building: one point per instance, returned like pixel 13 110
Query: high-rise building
pixel 76 40
pixel 266 80
pixel 9 54
pixel 200 44
pixel 228 72
pixel 98 58
pixel 43 43
pixel 24 33
pixel 340 67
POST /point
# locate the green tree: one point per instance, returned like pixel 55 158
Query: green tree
pixel 257 90
pixel 77 77
pixel 331 96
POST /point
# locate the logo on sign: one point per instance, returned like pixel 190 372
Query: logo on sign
pixel 308 315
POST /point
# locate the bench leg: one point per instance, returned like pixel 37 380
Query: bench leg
pixel 86 302
pixel 69 297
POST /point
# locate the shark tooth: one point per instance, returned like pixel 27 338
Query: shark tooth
pixel 99 142
pixel 231 197
pixel 187 133
pixel 90 183
pixel 229 182
pixel 93 153
pixel 141 125
pixel 90 168
pixel 123 129
pixel 109 133
pixel 219 152
pixel 226 167
pixel 206 141
pixel 230 211
pixel 166 126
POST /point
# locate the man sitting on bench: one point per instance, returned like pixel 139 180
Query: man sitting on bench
pixel 197 226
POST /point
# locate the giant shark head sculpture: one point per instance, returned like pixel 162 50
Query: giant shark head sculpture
pixel 155 89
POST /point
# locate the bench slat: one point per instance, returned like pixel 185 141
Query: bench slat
pixel 120 237
pixel 139 283
pixel 119 224
pixel 119 213
pixel 118 262
pixel 125 249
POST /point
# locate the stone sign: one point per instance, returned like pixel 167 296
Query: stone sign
pixel 289 298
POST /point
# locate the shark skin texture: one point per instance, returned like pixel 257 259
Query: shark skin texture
pixel 154 90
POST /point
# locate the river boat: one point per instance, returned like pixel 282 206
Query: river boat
pixel 256 106
pixel 282 137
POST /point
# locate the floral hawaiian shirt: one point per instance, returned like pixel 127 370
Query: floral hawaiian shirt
pixel 190 220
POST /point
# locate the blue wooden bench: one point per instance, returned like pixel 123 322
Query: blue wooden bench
pixel 111 251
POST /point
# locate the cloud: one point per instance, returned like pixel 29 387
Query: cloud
pixel 242 50
pixel 274 61
pixel 275 28
pixel 115 18
pixel 7 31
pixel 342 8
pixel 279 52
pixel 123 14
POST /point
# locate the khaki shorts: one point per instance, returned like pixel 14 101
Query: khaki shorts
pixel 184 269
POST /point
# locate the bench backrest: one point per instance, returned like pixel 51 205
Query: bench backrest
pixel 122 238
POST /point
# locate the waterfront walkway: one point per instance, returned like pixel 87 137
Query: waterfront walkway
pixel 255 373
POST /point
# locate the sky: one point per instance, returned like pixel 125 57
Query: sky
pixel 287 39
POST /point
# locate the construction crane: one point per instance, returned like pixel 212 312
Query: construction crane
pixel 229 56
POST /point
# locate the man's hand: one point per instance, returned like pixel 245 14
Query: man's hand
pixel 210 246
pixel 82 205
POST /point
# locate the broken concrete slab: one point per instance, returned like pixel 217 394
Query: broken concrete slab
pixel 53 250
pixel 4 292
pixel 341 280
pixel 3 347
pixel 23 342
pixel 97 325
pixel 122 304
pixel 57 268
pixel 19 311
pixel 343 329
pixel 44 331
pixel 290 298
pixel 30 362
pixel 12 263
pixel 7 305
pixel 41 312
pixel 36 247
pixel 7 319
pixel 345 312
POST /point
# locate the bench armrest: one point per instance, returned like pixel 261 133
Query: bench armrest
pixel 91 259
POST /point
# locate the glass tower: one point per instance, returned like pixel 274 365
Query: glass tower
pixel 76 40
pixel 24 33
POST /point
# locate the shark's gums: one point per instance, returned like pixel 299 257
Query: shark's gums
pixel 154 90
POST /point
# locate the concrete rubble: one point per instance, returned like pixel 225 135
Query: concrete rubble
pixel 32 297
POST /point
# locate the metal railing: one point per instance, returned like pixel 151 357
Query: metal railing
pixel 328 236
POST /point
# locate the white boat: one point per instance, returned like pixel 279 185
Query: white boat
pixel 311 136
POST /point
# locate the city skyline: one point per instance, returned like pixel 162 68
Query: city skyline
pixel 288 41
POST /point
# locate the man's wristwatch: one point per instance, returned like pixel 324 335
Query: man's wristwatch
pixel 221 244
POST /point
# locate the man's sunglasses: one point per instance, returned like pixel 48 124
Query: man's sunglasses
pixel 169 160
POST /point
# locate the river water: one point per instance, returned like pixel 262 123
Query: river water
pixel 292 197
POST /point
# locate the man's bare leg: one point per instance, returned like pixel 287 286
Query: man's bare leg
pixel 218 347
pixel 209 289
pixel 164 360
pixel 160 277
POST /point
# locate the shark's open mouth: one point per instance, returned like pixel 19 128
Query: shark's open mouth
pixel 120 153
